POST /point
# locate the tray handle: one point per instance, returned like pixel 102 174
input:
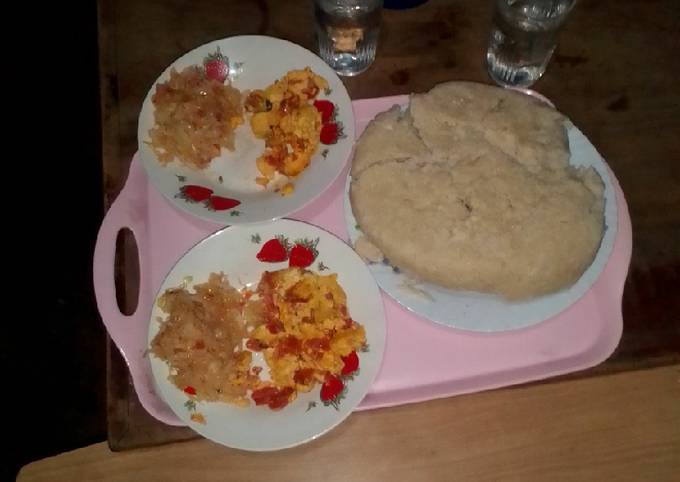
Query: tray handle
pixel 128 331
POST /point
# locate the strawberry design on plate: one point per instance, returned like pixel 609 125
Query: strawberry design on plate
pixel 351 365
pixel 331 132
pixel 327 109
pixel 332 391
pixel 193 193
pixel 274 251
pixel 301 254
pixel 219 203
pixel 216 66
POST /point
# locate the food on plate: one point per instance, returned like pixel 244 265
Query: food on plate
pixel 470 188
pixel 201 340
pixel 194 117
pixel 308 337
pixel 296 319
pixel 284 116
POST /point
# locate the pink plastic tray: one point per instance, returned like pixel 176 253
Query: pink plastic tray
pixel 422 361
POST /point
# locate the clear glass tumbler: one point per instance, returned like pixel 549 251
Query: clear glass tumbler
pixel 523 38
pixel 347 33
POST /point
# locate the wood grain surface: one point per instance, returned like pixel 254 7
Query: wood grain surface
pixel 623 427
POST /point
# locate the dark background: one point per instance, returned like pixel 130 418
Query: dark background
pixel 53 341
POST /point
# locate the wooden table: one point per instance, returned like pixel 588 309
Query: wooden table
pixel 615 74
pixel 623 427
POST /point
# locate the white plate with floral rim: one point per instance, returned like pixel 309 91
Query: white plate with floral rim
pixel 233 250
pixel 482 312
pixel 252 62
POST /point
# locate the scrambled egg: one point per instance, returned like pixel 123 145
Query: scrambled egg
pixel 307 328
pixel 289 124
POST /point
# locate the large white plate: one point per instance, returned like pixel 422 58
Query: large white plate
pixel 255 62
pixel 490 313
pixel 233 251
